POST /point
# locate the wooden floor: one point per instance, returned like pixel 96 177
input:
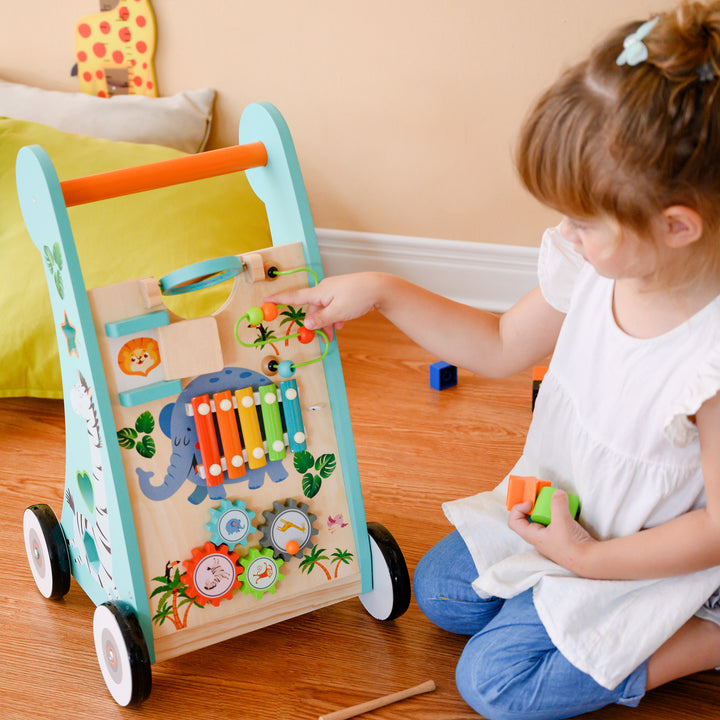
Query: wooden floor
pixel 416 448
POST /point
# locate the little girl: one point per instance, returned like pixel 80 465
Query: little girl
pixel 568 618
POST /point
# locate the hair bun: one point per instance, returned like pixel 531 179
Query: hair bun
pixel 686 40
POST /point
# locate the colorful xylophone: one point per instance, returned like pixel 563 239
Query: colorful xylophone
pixel 241 428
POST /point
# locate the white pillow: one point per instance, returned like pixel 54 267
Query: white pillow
pixel 181 121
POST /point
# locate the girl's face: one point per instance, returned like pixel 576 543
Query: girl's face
pixel 613 252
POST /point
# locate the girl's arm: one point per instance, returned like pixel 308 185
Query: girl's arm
pixel 685 544
pixel 488 344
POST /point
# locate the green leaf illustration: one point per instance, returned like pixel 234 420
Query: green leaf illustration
pixel 325 465
pixel 126 438
pixel 161 616
pixel 57 255
pixel 311 484
pixel 145 423
pixel 166 595
pixel 303 461
pixel 47 252
pixel 146 447
pixel 59 284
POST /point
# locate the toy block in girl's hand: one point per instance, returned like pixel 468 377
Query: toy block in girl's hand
pixel 541 510
pixel 539 493
pixel 523 489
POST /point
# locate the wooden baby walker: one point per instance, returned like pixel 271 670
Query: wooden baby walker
pixel 211 483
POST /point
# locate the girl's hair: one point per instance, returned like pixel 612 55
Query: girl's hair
pixel 626 141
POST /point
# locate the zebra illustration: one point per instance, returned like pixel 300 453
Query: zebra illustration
pixel 82 403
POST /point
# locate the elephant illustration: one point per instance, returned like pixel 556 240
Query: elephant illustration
pixel 185 457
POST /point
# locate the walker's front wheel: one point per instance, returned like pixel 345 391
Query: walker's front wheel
pixel 122 654
pixel 390 596
pixel 47 551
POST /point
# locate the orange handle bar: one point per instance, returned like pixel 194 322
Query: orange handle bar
pixel 161 174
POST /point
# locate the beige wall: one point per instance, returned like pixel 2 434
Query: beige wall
pixel 404 113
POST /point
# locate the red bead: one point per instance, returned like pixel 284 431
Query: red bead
pixel 305 336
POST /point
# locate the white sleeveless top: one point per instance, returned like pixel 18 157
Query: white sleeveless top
pixel 610 425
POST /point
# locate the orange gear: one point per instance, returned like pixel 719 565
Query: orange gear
pixel 212 574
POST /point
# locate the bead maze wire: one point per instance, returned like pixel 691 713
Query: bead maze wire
pixel 268 312
pixel 273 272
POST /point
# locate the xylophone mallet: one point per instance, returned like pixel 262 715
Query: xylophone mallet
pixel 365 707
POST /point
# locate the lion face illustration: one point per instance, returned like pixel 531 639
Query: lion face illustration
pixel 139 356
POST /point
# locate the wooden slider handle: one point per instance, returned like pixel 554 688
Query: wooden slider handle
pixel 140 178
pixel 356 710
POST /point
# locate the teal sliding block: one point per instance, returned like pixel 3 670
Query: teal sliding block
pixel 137 324
pixel 148 393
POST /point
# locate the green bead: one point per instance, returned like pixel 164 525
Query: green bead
pixel 254 315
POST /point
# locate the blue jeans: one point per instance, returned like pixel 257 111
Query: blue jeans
pixel 510 667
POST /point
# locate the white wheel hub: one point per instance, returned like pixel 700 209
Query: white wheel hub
pixel 38 553
pixel 113 655
pixel 379 601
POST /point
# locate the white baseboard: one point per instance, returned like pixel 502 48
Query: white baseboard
pixel 484 275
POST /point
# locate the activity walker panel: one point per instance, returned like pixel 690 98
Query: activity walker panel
pixel 233 471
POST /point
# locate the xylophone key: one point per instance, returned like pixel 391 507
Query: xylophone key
pixel 229 435
pixel 209 450
pixel 250 426
pixel 293 416
pixel 269 406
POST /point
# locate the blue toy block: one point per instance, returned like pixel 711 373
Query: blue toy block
pixel 442 375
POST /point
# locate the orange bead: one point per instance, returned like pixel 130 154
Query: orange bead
pixel 270 311
pixel 292 547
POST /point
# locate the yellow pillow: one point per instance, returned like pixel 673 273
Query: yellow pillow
pixel 149 233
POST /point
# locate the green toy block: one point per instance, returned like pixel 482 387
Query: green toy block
pixel 541 510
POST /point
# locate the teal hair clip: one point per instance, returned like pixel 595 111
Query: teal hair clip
pixel 634 50
pixel 706 72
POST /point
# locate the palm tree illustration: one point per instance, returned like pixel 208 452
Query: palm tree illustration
pixel 172 599
pixel 313 559
pixel 339 557
pixel 266 337
pixel 293 316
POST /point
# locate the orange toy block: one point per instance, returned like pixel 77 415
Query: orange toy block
pixel 523 489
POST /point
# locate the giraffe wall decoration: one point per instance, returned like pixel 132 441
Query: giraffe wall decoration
pixel 121 38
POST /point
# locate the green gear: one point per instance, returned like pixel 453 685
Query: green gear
pixel 262 572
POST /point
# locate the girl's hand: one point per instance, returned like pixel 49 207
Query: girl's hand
pixel 563 541
pixel 335 300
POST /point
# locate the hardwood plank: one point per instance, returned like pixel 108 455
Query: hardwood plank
pixel 416 448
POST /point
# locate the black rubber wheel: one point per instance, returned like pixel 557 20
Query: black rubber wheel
pixel 122 653
pixel 47 551
pixel 390 596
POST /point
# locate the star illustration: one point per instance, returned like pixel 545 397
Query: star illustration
pixel 70 332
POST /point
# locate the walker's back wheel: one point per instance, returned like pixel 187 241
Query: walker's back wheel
pixel 122 654
pixel 390 596
pixel 47 551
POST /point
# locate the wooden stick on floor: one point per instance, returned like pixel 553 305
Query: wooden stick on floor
pixel 356 710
